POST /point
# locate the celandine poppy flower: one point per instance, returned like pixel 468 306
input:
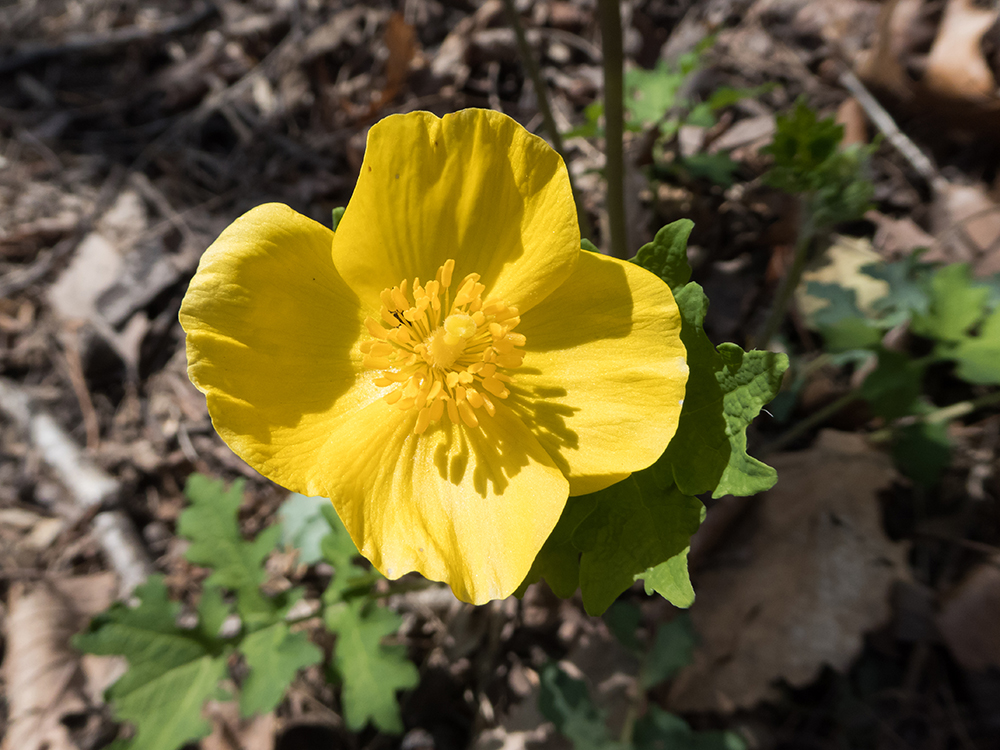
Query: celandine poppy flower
pixel 449 366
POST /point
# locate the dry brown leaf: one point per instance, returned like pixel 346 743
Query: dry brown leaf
pixel 842 264
pixel 897 238
pixel 231 732
pixel 966 222
pixel 956 67
pixel 851 115
pixel 801 591
pixel 970 618
pixel 44 677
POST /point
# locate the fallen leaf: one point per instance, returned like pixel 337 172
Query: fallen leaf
pixel 969 617
pixel 799 593
pixel 844 260
pixel 232 732
pixel 45 681
pixel 956 67
pixel 897 238
pixel 966 222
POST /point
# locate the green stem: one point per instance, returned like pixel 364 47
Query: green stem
pixel 614 117
pixel 813 420
pixel 948 413
pixel 542 97
pixel 788 284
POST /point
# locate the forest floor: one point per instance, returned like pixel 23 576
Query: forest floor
pixel 850 607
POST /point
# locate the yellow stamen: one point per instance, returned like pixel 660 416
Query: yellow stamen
pixel 442 354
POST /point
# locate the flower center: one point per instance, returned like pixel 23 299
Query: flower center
pixel 443 354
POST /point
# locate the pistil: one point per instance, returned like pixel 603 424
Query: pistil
pixel 440 355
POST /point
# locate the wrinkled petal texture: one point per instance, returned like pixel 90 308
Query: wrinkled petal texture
pixel 470 507
pixel 272 334
pixel 275 320
pixel 474 186
pixel 604 374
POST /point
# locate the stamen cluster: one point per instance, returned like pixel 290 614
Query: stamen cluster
pixel 443 355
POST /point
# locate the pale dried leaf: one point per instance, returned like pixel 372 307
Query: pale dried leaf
pixel 956 67
pixel 801 591
pixel 842 264
pixel 231 732
pixel 966 221
pixel 44 679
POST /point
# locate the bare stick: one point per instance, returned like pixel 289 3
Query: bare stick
pixel 614 116
pixel 888 127
pixel 87 484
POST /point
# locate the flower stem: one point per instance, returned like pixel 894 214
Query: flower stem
pixel 788 284
pixel 614 169
pixel 542 97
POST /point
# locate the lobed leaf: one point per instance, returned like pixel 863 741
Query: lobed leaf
pixel 172 672
pixel 274 655
pixel 371 672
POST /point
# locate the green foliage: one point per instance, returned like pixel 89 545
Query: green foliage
pixel 653 99
pixel 371 672
pixel 337 215
pixel 639 529
pixel 567 703
pixel 303 526
pixel 173 670
pixel 833 182
pixel 960 318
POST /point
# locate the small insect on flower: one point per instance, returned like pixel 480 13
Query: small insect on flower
pixel 450 366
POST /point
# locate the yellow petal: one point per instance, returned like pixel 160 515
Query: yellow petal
pixel 604 372
pixel 272 338
pixel 474 186
pixel 471 507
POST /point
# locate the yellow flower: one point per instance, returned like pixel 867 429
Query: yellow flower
pixel 450 366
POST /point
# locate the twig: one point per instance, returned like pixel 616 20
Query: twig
pixel 89 486
pixel 614 104
pixel 887 126
pixel 31 52
pixel 542 97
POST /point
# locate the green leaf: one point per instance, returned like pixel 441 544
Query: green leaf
pixel 718 168
pixel 922 451
pixel 649 94
pixel 172 672
pixel 893 387
pixel 673 649
pixel 210 522
pixel 978 357
pixel 725 391
pixel 371 672
pixel 726 388
pixel 622 619
pixel 637 524
pixel 566 702
pixel 274 655
pixel 666 255
pixel 558 562
pixel 303 525
pixel 338 214
pixel 956 305
pixel 670 579
pixel 659 730
pixel 589 246
pixel 338 549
